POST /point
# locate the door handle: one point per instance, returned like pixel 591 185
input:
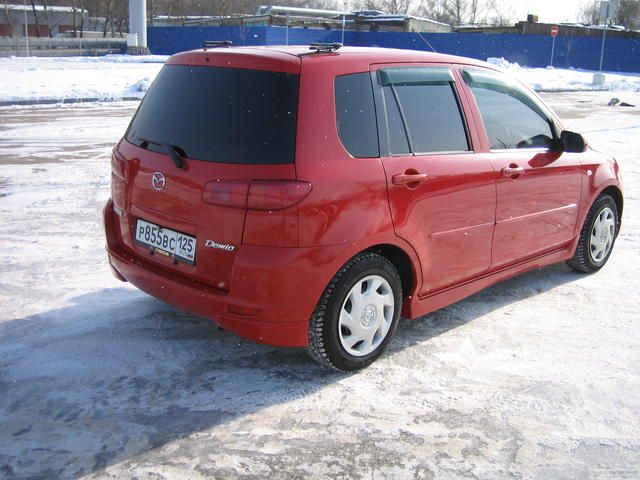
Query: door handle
pixel 406 178
pixel 512 170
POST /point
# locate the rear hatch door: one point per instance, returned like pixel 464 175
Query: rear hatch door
pixel 211 123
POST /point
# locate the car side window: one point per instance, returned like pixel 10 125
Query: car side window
pixel 423 113
pixel 356 115
pixel 512 117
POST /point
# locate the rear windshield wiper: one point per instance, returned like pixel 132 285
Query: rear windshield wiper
pixel 173 151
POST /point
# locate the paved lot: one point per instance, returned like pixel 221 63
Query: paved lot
pixel 537 377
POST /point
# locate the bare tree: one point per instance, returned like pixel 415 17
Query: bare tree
pixel 458 12
pixel 36 17
pixel 589 12
pixel 435 10
pixel 499 14
pixel 628 14
pixel 107 17
pixel 8 17
pixel 387 6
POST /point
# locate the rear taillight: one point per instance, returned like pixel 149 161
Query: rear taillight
pixel 256 195
pixel 226 193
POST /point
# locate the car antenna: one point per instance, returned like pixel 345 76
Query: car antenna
pixel 216 43
pixel 426 41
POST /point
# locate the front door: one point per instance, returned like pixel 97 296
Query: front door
pixel 442 195
pixel 538 186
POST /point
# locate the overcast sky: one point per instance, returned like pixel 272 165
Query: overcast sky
pixel 548 11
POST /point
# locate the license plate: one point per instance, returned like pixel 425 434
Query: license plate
pixel 166 241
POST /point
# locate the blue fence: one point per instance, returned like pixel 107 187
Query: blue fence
pixel 621 54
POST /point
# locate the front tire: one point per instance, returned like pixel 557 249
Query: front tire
pixel 597 236
pixel 357 314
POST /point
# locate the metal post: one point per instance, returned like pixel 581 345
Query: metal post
pixel 343 24
pixel 604 38
pixel 26 27
pixel 553 47
pixel 286 35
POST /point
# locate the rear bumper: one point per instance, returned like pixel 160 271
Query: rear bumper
pixel 272 293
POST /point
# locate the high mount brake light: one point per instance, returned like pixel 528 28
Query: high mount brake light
pixel 256 195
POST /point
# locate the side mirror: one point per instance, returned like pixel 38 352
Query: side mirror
pixel 572 142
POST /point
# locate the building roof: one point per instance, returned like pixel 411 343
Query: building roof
pixel 40 8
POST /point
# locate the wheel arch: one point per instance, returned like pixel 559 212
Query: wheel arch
pixel 616 194
pixel 403 263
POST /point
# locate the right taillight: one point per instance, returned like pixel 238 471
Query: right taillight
pixel 256 195
pixel 270 221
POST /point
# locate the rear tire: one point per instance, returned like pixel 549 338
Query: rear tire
pixel 357 314
pixel 597 236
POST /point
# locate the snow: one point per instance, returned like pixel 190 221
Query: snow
pixel 552 79
pixel 536 377
pixel 112 77
pixel 117 77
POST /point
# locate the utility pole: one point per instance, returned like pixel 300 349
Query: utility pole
pixel 604 38
pixel 137 28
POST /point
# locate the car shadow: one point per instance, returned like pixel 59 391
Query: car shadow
pixel 116 374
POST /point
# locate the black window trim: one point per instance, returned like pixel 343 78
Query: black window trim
pixel 383 121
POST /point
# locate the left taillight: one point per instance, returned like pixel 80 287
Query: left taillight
pixel 118 165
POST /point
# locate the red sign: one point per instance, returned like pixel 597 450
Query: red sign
pixel 555 30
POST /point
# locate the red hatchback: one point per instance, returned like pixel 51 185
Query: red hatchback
pixel 309 197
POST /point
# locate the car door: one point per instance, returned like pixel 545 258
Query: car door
pixel 442 196
pixel 538 186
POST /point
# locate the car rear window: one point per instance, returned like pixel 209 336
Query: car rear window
pixel 356 115
pixel 216 114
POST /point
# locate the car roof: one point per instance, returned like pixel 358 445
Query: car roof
pixel 289 58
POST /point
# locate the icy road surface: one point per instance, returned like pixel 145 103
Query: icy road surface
pixel 537 377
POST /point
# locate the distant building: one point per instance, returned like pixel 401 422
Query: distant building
pixel 58 20
pixel 533 27
pixel 368 20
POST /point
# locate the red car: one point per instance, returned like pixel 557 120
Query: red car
pixel 308 197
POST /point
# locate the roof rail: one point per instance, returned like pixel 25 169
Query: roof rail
pixel 216 43
pixel 320 47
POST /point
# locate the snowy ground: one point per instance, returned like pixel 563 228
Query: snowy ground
pixel 537 377
pixel 118 77
pixel 568 79
pixel 42 79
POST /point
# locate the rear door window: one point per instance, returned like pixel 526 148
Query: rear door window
pixel 356 115
pixel 216 114
pixel 512 117
pixel 423 112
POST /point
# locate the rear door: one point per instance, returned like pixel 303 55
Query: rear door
pixel 200 137
pixel 441 194
pixel 538 186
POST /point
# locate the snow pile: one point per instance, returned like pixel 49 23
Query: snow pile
pixel 560 79
pixel 112 77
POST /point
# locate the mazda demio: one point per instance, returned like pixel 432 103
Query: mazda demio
pixel 310 196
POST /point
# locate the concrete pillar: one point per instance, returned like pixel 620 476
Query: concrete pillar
pixel 138 26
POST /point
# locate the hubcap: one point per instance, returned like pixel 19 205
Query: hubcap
pixel 602 235
pixel 366 315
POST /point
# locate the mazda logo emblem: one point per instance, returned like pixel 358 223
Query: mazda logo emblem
pixel 158 181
